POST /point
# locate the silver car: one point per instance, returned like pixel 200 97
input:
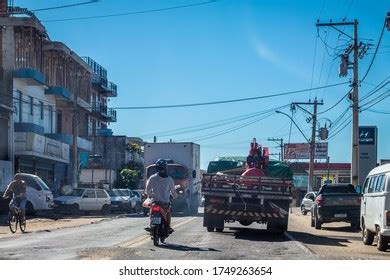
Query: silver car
pixel 307 202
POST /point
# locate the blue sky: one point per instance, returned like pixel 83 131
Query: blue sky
pixel 229 49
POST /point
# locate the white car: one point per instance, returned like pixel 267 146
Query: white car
pixel 84 200
pixel 39 196
pixel 375 207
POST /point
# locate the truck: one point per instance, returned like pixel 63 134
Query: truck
pixel 254 192
pixel 336 203
pixel 183 166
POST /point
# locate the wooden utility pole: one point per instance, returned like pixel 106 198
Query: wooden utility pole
pixel 354 96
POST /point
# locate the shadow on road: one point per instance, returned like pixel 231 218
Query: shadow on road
pixel 341 229
pixel 308 238
pixel 184 248
pixel 253 234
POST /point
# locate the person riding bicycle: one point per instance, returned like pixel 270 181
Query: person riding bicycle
pixel 19 189
pixel 160 187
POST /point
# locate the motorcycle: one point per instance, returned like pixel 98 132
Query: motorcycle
pixel 159 230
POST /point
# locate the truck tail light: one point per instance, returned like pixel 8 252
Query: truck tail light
pixel 320 200
pixel 387 213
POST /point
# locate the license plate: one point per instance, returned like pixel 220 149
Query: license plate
pixel 114 206
pixel 340 215
pixel 156 220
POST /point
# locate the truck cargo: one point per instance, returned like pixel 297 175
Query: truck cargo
pixel 248 194
pixel 183 166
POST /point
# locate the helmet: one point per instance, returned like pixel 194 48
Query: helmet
pixel 161 164
pixel 18 176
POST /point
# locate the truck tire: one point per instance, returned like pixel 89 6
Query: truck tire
pixel 317 223
pixel 382 243
pixel 219 229
pixel 368 236
pixel 194 204
pixel 210 229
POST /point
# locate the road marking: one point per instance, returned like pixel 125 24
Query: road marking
pixel 303 247
pixel 141 240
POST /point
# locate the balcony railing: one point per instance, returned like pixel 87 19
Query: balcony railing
pixel 112 89
pixel 102 110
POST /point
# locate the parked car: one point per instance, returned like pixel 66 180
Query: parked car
pixel 336 203
pixel 375 207
pixel 124 199
pixel 307 202
pixel 39 195
pixel 84 200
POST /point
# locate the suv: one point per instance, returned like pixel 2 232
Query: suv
pixel 84 200
pixel 307 202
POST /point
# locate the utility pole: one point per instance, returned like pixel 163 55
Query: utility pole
pixel 75 131
pixel 354 95
pixel 312 143
pixel 280 142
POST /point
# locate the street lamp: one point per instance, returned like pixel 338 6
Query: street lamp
pixel 311 162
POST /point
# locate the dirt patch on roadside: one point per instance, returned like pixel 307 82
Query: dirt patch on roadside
pixel 333 241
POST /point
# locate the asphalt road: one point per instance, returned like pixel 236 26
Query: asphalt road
pixel 125 238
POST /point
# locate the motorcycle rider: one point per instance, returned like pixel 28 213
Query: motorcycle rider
pixel 19 189
pixel 160 187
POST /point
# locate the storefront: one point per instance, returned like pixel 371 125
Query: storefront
pixel 42 156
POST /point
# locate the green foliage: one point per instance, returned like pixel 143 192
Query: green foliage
pixel 127 178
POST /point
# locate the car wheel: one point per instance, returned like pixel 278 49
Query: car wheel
pixel 303 210
pixel 30 208
pixel 368 236
pixel 74 209
pixel 317 223
pixel 311 220
pixel 382 243
pixel 105 209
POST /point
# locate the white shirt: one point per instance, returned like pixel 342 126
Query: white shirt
pixel 160 189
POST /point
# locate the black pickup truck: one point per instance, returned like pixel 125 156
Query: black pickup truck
pixel 336 203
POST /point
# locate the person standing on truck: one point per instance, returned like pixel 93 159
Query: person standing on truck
pixel 160 187
pixel 19 189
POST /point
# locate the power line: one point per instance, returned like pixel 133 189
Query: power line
pixel 334 105
pixel 209 125
pixel 226 101
pixel 133 13
pixel 228 130
pixel 377 88
pixel 65 6
pixel 378 111
pixel 332 136
pixel 376 50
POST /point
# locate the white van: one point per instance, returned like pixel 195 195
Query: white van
pixel 39 196
pixel 375 207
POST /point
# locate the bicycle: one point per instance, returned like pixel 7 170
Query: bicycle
pixel 15 218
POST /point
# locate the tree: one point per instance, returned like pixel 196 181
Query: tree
pixel 128 178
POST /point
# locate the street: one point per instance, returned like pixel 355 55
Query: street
pixel 124 237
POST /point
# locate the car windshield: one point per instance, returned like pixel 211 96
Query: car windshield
pixel 43 184
pixel 175 171
pixel 116 192
pixel 76 192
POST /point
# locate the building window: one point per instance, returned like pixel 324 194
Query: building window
pixel 41 105
pixel 31 105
